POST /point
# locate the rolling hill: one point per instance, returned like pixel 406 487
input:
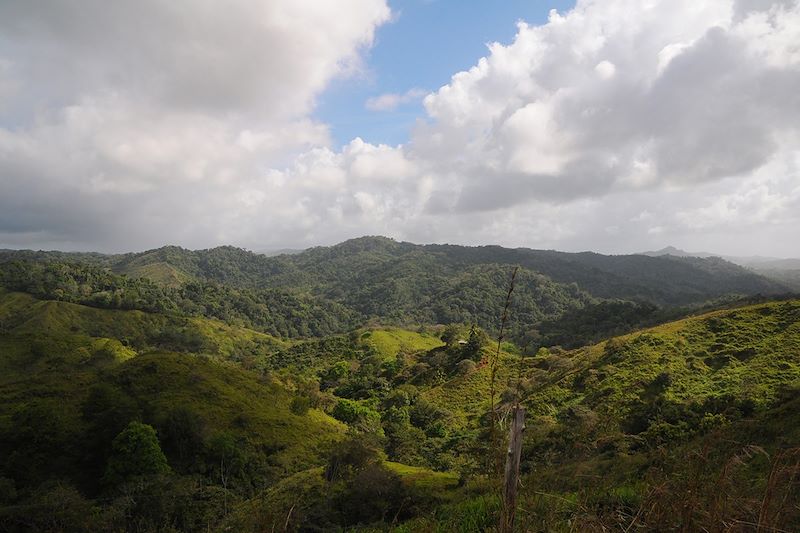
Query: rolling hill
pixel 348 387
pixel 375 278
pixel 783 271
pixel 250 425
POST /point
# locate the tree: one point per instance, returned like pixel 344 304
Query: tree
pixel 183 433
pixel 135 452
pixel 450 335
pixel 476 341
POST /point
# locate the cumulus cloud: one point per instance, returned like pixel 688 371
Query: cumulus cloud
pixel 391 101
pixel 127 125
pixel 622 96
pixel 618 125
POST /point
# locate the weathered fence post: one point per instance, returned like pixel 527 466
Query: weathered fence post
pixel 512 469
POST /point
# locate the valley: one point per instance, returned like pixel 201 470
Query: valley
pixel 352 387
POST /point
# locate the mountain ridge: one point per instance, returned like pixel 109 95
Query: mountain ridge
pixel 782 270
pixel 402 283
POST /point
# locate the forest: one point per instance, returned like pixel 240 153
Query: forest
pixel 363 387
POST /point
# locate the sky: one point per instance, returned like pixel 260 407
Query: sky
pixel 609 125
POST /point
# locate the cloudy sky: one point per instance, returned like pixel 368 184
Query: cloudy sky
pixel 608 125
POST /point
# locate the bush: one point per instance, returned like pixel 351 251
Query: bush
pixel 183 433
pixel 135 452
pixel 300 405
pixel 350 457
pixel 424 414
pixel 465 367
pixel 374 494
pixel 358 415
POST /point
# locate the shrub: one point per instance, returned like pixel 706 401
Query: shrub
pixel 300 405
pixel 135 452
pixel 374 494
pixel 350 457
pixel 358 415
pixel 466 366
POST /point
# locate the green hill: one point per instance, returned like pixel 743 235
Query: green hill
pixel 667 428
pixel 729 363
pixel 72 377
pixel 618 433
pixel 377 425
pixel 399 283
pixel 277 312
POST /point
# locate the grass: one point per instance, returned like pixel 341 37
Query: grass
pixel 53 353
pixel 23 315
pixel 160 272
pixel 231 400
pixel 425 478
pixel 467 396
pixel 608 424
pixel 585 467
pixel 748 353
pixel 391 341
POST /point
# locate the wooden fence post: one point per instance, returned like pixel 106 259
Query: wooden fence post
pixel 512 469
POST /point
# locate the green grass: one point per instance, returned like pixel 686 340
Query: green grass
pixel 604 421
pixel 440 482
pixel 22 315
pixel 748 353
pixel 231 400
pixel 391 341
pixel 53 353
pixel 299 492
pixel 467 397
pixel 161 272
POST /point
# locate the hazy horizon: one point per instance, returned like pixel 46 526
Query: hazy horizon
pixel 290 250
pixel 610 126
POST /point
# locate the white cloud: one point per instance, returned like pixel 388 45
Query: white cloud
pixel 618 125
pixel 391 101
pixel 616 95
pixel 605 69
pixel 129 125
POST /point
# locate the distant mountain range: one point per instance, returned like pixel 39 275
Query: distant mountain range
pixel 786 271
pixel 377 278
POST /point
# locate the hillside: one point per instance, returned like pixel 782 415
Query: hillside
pixel 277 312
pixel 371 261
pixel 783 271
pixel 399 283
pixel 684 426
pixel 72 378
pixel 661 382
pixel 609 427
pixel 341 430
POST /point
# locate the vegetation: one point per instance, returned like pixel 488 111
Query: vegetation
pixel 275 312
pixel 330 290
pixel 221 390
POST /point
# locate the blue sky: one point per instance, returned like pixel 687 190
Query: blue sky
pixel 427 42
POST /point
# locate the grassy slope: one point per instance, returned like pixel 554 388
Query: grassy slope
pixel 51 353
pixel 580 401
pixel 749 352
pixel 391 341
pixel 232 400
pixel 467 396
pixel 299 492
pixel 161 272
pixel 24 317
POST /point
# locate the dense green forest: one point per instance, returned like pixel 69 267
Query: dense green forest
pixel 350 388
pixel 330 290
pixel 272 311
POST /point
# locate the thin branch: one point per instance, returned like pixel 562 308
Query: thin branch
pixel 493 368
